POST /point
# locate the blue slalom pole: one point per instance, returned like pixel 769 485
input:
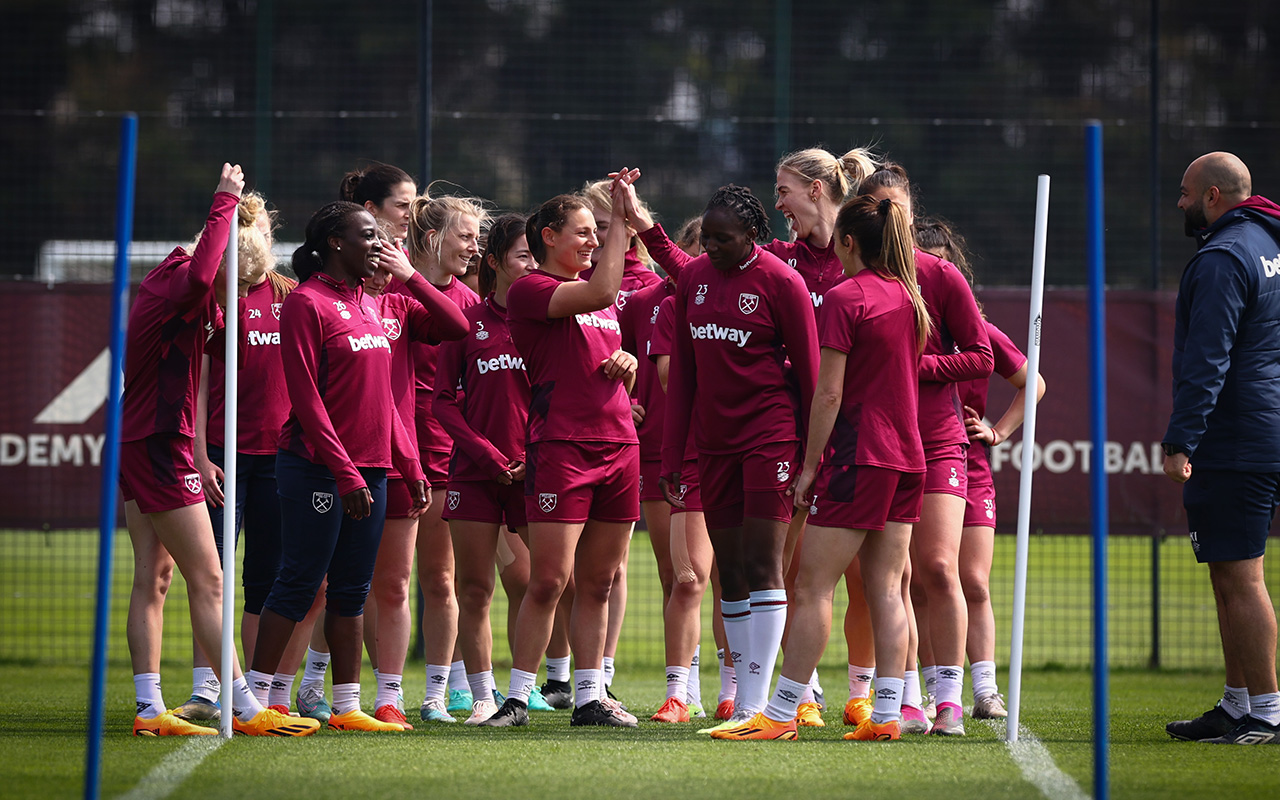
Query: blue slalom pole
pixel 111 448
pixel 1098 467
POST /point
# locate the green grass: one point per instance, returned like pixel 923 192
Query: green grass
pixel 42 747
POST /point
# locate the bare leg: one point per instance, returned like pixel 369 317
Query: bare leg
pixel 1249 632
pixel 389 589
pixel 515 580
pixel 691 549
pixel 152 576
pixel 435 576
pixel 551 552
pixel 601 549
pixel 977 548
pixel 935 552
pixel 475 547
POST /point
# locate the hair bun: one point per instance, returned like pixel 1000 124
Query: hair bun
pixel 883 207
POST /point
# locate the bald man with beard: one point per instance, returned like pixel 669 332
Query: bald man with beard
pixel 1226 424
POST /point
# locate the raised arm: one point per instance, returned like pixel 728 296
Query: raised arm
pixel 447 321
pixel 601 290
pixel 196 282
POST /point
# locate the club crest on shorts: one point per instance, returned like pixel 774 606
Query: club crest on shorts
pixel 275 309
pixel 547 502
pixel 391 327
pixel 684 489
pixel 748 303
pixel 192 482
pixel 451 500
pixel 322 501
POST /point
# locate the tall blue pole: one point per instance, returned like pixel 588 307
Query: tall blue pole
pixel 111 449
pixel 1098 467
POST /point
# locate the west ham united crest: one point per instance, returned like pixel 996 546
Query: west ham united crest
pixel 322 501
pixel 192 482
pixel 275 309
pixel 452 499
pixel 547 502
pixel 391 327
pixel 748 303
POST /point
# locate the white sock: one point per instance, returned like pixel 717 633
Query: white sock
pixel 281 688
pixel 244 704
pixel 814 683
pixel 808 696
pixel 694 695
pixel 786 699
pixel 388 691
pixel 558 669
pixel 768 619
pixel 860 680
pixel 930 675
pixel 728 680
pixel 481 685
pixel 260 685
pixel 911 690
pixel 204 684
pixel 950 685
pixel 606 666
pixel 458 677
pixel 146 686
pixel 983 677
pixel 888 705
pixel 346 698
pixel 313 673
pixel 1235 701
pixel 1265 707
pixel 587 686
pixel 521 685
pixel 437 682
pixel 677 682
pixel 737 629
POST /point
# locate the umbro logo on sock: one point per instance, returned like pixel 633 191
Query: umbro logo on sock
pixel 949 674
pixel 320 665
pixel 437 679
pixel 277 685
pixel 261 685
pixel 887 694
pixel 790 697
pixel 754 668
pixel 142 707
pixel 862 678
pixel 672 677
pixel 393 686
pixel 583 685
pixel 736 657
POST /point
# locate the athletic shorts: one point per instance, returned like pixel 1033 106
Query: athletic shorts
pixel 946 470
pixel 1229 513
pixel 690 489
pixel 650 471
pixel 751 484
pixel 159 473
pixel 863 498
pixel 435 466
pixel 485 501
pixel 399 503
pixel 576 481
pixel 980 506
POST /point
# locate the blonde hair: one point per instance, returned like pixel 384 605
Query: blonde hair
pixel 597 194
pixel 253 249
pixel 432 217
pixel 840 176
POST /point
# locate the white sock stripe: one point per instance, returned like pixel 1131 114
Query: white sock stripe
pixel 175 768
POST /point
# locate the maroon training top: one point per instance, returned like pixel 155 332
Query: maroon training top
pixel 1009 359
pixel 638 318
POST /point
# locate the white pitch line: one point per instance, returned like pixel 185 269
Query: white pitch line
pixel 1037 765
pixel 176 767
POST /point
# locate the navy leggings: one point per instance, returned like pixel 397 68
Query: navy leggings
pixel 258 511
pixel 320 539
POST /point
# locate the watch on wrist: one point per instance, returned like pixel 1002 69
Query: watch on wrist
pixel 1171 449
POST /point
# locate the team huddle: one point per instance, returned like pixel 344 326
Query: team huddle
pixel 483 391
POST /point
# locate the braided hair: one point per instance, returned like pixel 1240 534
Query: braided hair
pixel 745 206
pixel 330 220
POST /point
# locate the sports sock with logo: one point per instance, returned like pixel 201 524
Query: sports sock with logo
pixel 388 691
pixel 260 685
pixel 437 682
pixel 244 704
pixel 983 677
pixel 281 689
pixel 313 673
pixel 888 705
pixel 930 675
pixel 587 686
pixel 146 685
pixel 677 682
pixel 786 699
pixel 558 669
pixel 204 684
pixel 521 685
pixel 728 680
pixel 1235 701
pixel 695 678
pixel 737 630
pixel 1265 707
pixel 950 684
pixel 911 690
pixel 458 677
pixel 768 620
pixel 607 669
pixel 481 685
pixel 346 698
pixel 860 680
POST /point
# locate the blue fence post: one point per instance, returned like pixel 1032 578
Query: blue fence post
pixel 111 449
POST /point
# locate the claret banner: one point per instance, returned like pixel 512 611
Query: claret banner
pixel 55 364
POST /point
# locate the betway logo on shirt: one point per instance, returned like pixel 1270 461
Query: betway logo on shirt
pixel 817 299
pixel 504 361
pixel 592 321
pixel 369 342
pixel 714 331
pixel 261 337
pixel 1270 266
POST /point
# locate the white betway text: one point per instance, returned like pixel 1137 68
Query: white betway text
pixel 714 331
pixel 504 361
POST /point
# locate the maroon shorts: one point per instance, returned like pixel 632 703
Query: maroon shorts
pixel 486 501
pixel 690 489
pixel 980 506
pixel 863 498
pixel 946 470
pixel 399 504
pixel 159 473
pixel 435 465
pixel 748 484
pixel 577 481
pixel 650 471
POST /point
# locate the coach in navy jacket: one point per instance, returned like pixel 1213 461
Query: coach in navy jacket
pixel 1226 422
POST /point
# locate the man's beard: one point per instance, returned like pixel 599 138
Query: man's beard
pixel 1194 220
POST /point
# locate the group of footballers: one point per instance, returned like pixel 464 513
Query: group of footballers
pixel 511 391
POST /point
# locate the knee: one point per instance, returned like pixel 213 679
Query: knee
pixel 595 588
pixel 763 576
pixel 975 586
pixel 936 574
pixel 474 594
pixel 391 593
pixel 545 590
pixel 437 587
